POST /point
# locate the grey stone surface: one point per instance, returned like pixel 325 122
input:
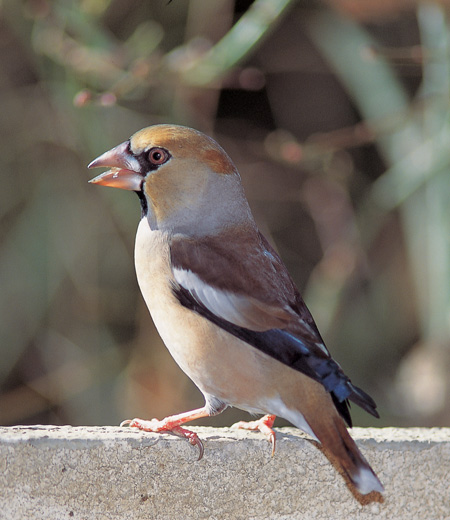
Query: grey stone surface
pixel 51 472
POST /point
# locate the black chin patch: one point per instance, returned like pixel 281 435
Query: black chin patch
pixel 143 201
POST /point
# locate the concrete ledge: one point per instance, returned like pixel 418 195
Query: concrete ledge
pixel 51 472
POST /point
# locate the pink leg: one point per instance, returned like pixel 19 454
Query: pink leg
pixel 264 425
pixel 172 424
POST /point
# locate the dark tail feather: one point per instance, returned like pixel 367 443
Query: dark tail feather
pixel 331 376
pixel 358 396
pixel 363 400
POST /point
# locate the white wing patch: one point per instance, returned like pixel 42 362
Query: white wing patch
pixel 243 311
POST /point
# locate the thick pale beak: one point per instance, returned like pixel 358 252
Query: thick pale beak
pixel 124 172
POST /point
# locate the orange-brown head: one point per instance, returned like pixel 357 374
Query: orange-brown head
pixel 184 179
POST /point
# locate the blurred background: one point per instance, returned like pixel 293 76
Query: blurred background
pixel 337 115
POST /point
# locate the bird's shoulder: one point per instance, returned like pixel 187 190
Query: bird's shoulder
pixel 241 267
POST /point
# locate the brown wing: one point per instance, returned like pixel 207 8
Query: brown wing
pixel 239 276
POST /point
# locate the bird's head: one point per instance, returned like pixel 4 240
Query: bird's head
pixel 184 179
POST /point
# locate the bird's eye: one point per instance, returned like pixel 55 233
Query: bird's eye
pixel 157 156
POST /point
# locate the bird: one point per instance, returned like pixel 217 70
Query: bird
pixel 223 301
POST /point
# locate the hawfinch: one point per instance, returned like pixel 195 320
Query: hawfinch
pixel 223 301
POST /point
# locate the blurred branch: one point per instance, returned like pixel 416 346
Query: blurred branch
pixel 394 188
pixel 252 28
pixel 73 38
pixel 370 82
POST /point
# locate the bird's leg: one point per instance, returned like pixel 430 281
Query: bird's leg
pixel 264 425
pixel 172 424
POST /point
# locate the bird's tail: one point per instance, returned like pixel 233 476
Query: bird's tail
pixel 336 440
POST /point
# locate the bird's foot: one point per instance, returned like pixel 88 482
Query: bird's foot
pixel 167 425
pixel 264 425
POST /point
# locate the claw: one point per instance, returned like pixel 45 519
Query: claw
pixel 192 437
pixel 264 425
pixel 156 426
pixel 273 439
pixel 201 448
